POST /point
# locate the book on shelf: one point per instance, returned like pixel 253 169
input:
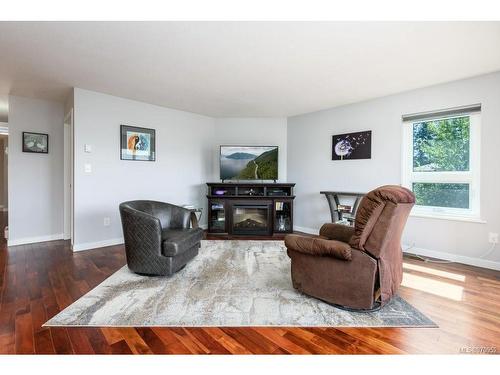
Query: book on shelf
pixel 344 208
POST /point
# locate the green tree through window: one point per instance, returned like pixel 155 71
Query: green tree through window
pixel 441 164
pixel 441 195
pixel 441 145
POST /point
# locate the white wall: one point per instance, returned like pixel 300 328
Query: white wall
pixel 311 167
pixel 182 166
pixel 35 180
pixel 255 131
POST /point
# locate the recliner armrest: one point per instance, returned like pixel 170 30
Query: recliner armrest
pixel 337 232
pixel 318 246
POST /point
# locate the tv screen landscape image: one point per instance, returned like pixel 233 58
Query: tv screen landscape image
pixel 249 162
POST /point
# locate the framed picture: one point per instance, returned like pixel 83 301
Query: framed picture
pixel 352 146
pixel 137 143
pixel 37 143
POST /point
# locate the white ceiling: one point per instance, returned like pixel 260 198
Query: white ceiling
pixel 236 69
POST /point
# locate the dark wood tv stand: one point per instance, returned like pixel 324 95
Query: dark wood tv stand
pixel 250 209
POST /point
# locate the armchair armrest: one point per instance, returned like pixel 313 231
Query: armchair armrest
pixel 194 220
pixel 141 232
pixel 318 246
pixel 337 232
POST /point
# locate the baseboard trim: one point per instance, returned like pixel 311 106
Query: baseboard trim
pixel 28 240
pixel 477 262
pixel 98 244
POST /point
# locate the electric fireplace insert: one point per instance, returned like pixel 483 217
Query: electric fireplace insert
pixel 250 219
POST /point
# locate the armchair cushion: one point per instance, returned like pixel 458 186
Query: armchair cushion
pixel 337 232
pixel 177 241
pixel 318 246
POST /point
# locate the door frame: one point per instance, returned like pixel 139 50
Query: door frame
pixel 69 185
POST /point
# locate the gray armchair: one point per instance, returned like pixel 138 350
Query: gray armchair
pixel 158 236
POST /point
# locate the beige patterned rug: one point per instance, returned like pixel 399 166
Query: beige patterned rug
pixel 230 284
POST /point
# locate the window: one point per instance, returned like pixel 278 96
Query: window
pixel 441 162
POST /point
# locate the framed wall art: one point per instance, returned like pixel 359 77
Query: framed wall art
pixel 37 143
pixel 137 143
pixel 352 146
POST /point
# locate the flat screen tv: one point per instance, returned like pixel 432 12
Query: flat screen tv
pixel 249 162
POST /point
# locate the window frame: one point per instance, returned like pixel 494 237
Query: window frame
pixel 471 177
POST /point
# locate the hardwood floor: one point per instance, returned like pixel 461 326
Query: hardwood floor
pixel 39 280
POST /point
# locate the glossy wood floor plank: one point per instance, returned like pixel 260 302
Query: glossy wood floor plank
pixel 39 280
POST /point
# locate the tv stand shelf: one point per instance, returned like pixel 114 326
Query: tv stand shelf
pixel 250 208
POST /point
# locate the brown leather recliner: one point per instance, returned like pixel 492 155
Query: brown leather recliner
pixel 356 268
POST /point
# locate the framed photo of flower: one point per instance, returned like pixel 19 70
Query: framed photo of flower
pixel 137 143
pixel 37 143
pixel 352 146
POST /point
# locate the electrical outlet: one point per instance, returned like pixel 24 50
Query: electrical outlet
pixel 107 221
pixel 493 237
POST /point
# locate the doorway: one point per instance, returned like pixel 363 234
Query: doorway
pixel 68 177
pixel 4 175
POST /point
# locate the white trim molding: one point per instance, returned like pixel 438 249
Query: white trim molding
pixel 477 262
pixel 24 241
pixel 448 217
pixel 96 245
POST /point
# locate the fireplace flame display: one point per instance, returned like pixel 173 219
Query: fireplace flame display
pixel 250 218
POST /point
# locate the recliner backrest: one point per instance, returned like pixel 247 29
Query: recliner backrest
pixel 379 224
pixel 381 215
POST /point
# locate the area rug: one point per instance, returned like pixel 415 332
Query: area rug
pixel 230 284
